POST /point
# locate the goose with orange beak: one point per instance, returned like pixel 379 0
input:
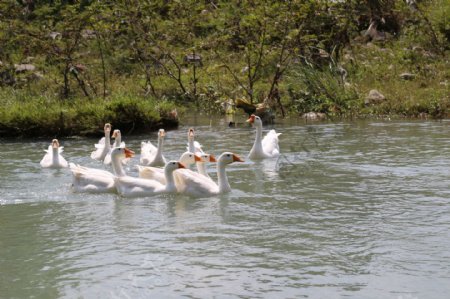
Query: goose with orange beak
pixel 53 157
pixel 197 185
pixel 157 173
pixel 151 155
pixel 103 147
pixel 93 180
pixel 117 135
pixel 128 186
pixel 266 147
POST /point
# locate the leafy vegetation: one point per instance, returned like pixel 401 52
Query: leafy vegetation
pixel 67 66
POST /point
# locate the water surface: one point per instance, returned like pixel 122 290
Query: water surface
pixel 350 210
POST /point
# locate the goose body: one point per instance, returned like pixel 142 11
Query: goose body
pixel 152 155
pixel 128 186
pixel 266 147
pixel 103 147
pixel 157 174
pixel 53 157
pixel 197 185
pixel 86 179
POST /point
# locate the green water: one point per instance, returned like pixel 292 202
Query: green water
pixel 350 210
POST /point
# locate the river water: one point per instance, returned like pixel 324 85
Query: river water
pixel 349 210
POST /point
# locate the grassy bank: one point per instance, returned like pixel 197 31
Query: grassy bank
pixel 68 67
pixel 25 116
pixel 414 82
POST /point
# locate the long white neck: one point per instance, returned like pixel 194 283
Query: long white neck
pixel 257 145
pixel 170 181
pixel 224 186
pixel 55 155
pixel 117 141
pixel 191 145
pixel 117 166
pixel 159 149
pixel 201 167
pixel 107 141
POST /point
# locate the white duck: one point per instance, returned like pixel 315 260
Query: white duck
pixel 128 186
pixel 156 173
pixel 103 147
pixel 94 180
pixel 117 135
pixel 151 155
pixel 53 157
pixel 197 185
pixel 266 147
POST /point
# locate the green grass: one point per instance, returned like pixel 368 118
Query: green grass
pixel 27 116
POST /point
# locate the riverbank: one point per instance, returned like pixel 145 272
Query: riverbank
pixel 327 59
pixel 22 116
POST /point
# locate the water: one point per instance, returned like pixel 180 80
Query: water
pixel 350 210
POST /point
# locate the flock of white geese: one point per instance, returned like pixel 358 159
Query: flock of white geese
pixel 156 175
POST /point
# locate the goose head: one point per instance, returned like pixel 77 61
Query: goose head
pixel 189 158
pixel 55 143
pixel 161 134
pixel 228 158
pixel 255 120
pixel 207 158
pixel 122 152
pixel 191 134
pixel 116 134
pixel 173 165
pixel 107 128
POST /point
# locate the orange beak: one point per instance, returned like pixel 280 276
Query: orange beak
pixel 236 158
pixel 251 119
pixel 197 158
pixel 181 165
pixel 212 158
pixel 191 132
pixel 162 133
pixel 55 143
pixel 128 153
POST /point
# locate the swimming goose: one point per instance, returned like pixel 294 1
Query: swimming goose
pixel 151 155
pixel 128 186
pixel 53 157
pixel 197 185
pixel 103 146
pixel 86 179
pixel 266 147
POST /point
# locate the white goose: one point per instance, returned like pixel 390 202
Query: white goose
pixel 151 155
pixel 53 157
pixel 94 180
pixel 197 185
pixel 193 146
pixel 128 186
pixel 201 165
pixel 266 147
pixel 156 173
pixel 117 135
pixel 103 147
